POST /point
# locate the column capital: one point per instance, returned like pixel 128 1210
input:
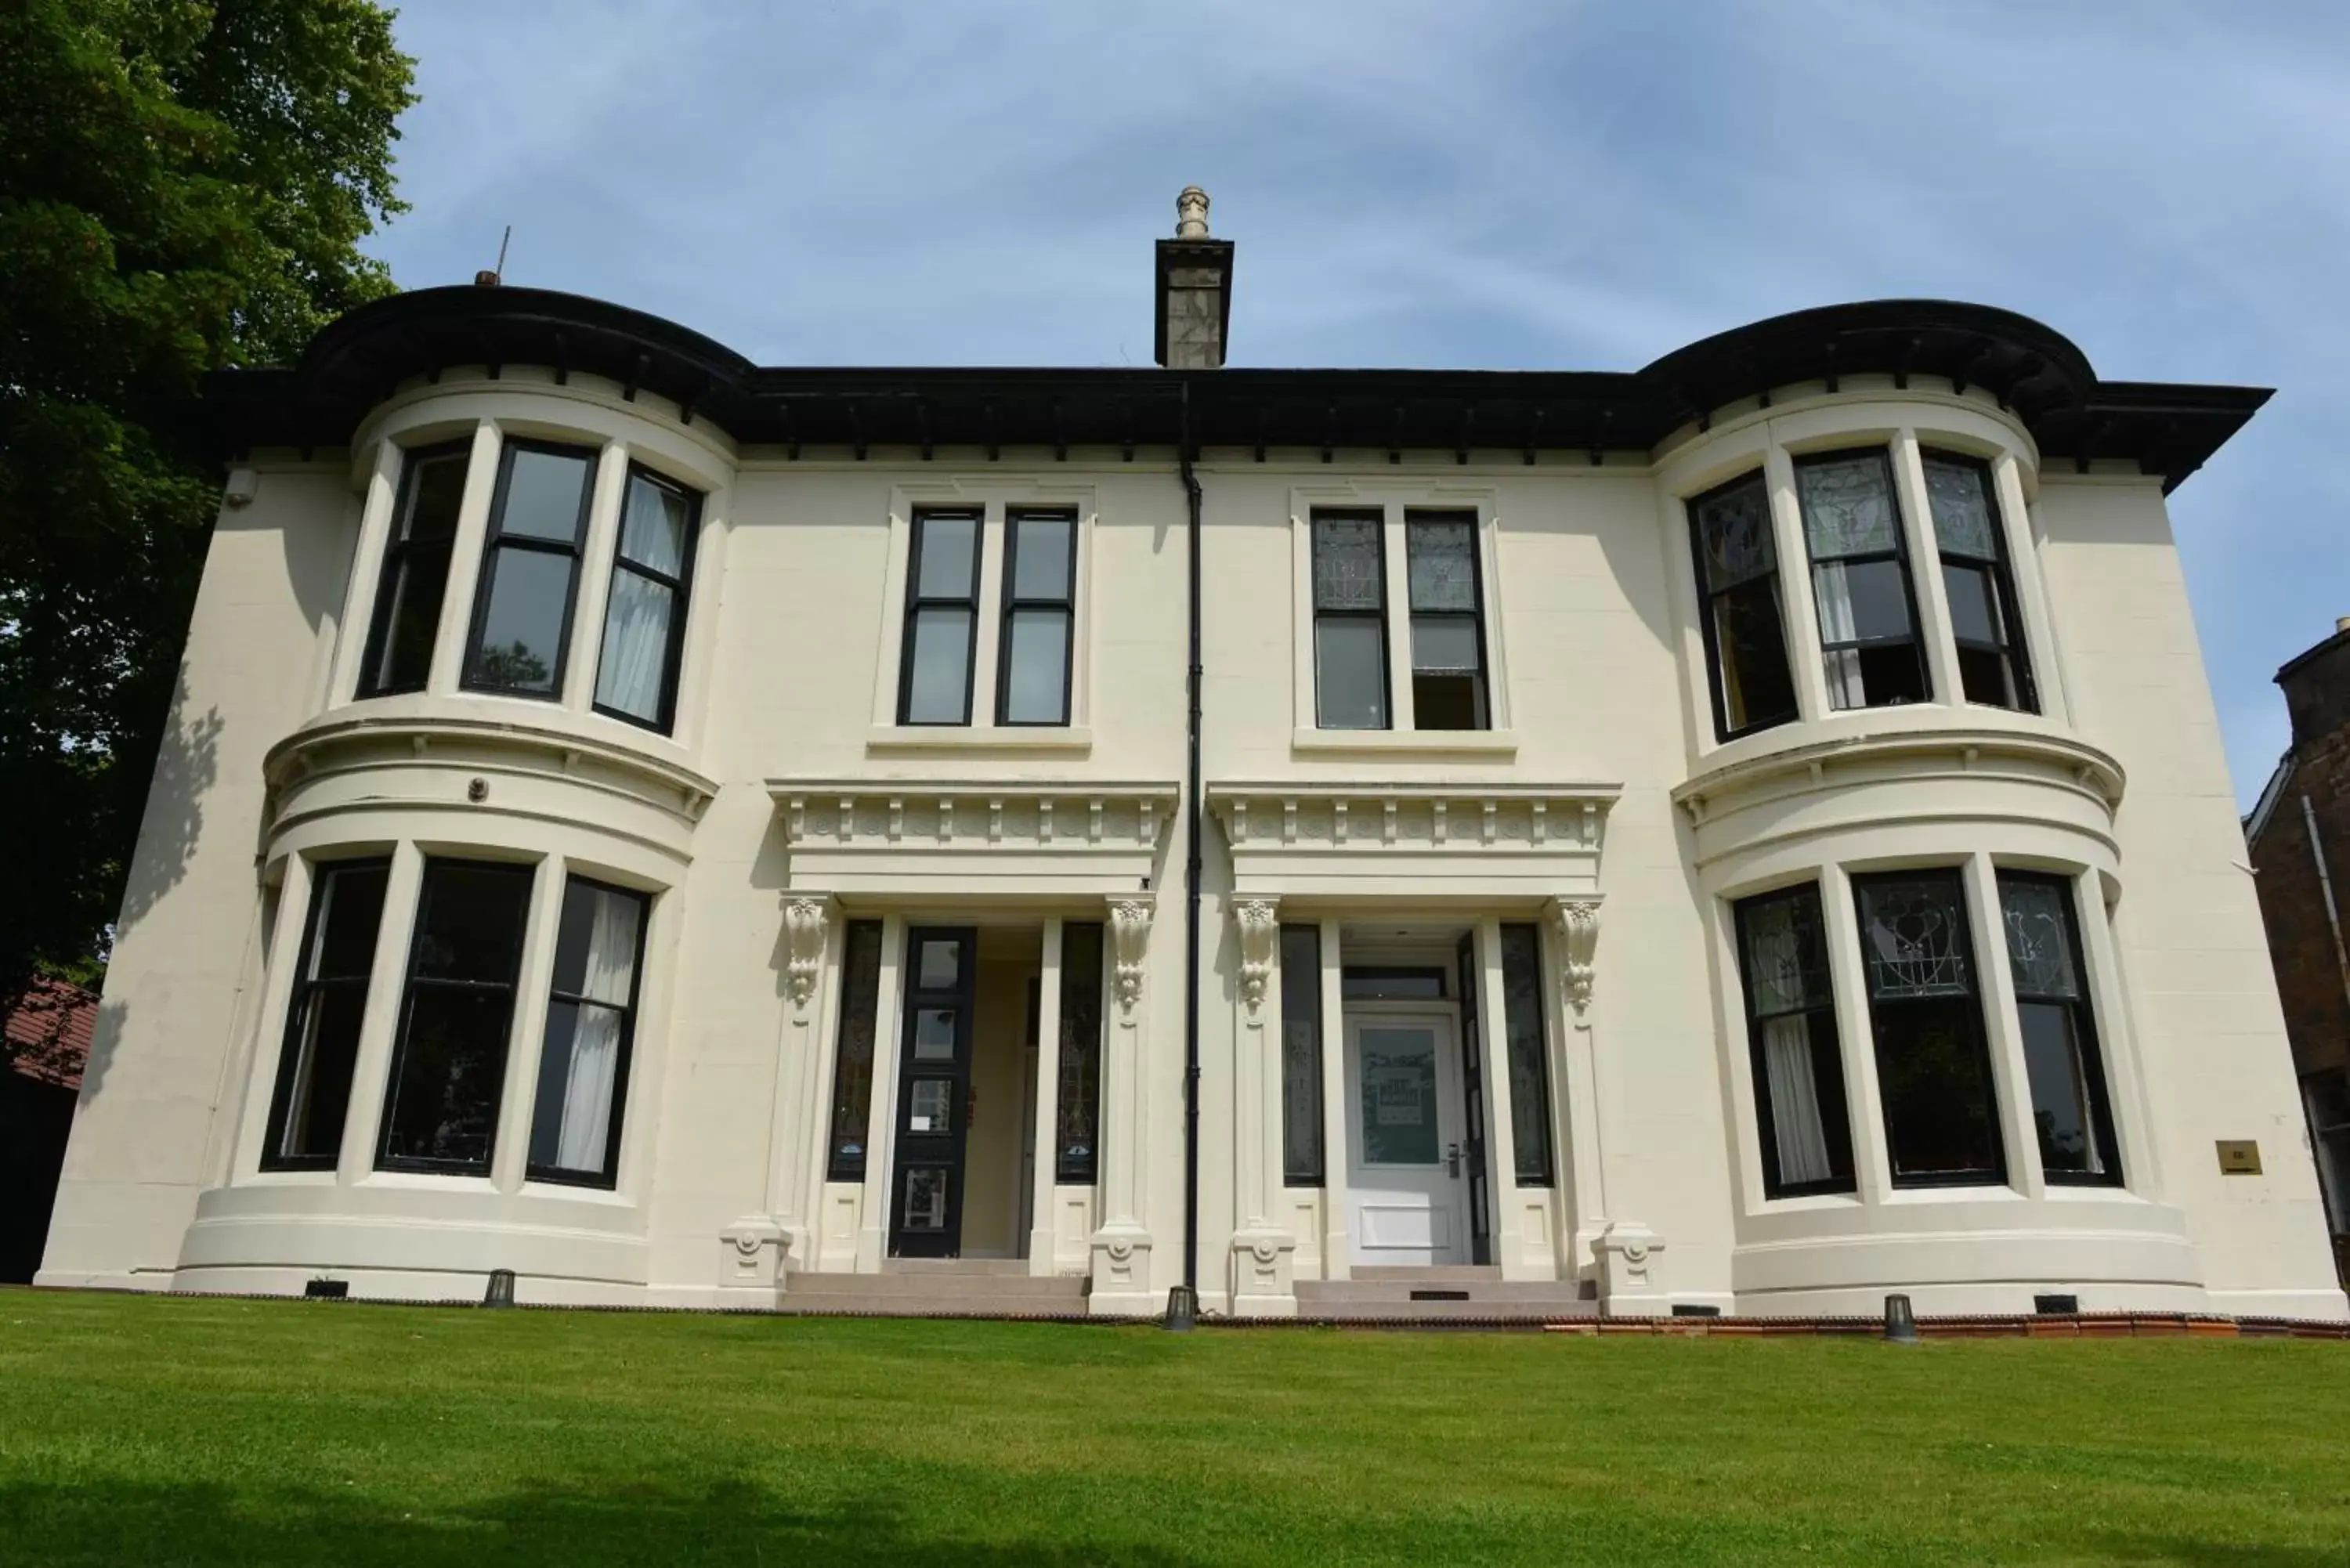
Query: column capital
pixel 1578 932
pixel 1129 923
pixel 807 919
pixel 1259 929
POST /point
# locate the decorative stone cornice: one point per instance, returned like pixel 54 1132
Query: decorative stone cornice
pixel 1579 939
pixel 2028 755
pixel 1260 929
pixel 806 921
pixel 1471 840
pixel 982 836
pixel 1130 925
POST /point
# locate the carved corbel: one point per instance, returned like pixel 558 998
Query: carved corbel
pixel 1130 924
pixel 1578 935
pixel 805 922
pixel 1260 946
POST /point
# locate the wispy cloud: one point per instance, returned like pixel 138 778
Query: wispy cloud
pixel 1470 184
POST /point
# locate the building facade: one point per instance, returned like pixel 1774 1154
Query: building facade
pixel 1750 833
pixel 2294 837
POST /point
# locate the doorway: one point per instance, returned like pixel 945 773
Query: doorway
pixel 1407 1166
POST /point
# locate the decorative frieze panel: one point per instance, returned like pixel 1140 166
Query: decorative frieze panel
pixel 869 836
pixel 1431 839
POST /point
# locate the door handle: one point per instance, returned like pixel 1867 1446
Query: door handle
pixel 1452 1159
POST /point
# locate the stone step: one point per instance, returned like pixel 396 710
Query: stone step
pixel 932 1306
pixel 886 1289
pixel 960 1268
pixel 1544 1293
pixel 1557 1309
pixel 1428 1275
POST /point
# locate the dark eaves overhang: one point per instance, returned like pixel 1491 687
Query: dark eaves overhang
pixel 358 361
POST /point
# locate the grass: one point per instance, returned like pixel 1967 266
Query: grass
pixel 158 1430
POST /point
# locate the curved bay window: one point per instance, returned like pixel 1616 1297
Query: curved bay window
pixel 1925 1008
pixel 1800 1107
pixel 591 1015
pixel 530 570
pixel 322 1019
pixel 644 618
pixel 1979 583
pixel 449 1060
pixel 1860 580
pixel 1738 581
pixel 2071 1112
pixel 415 570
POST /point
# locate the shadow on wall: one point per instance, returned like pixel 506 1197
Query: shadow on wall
pixel 186 763
pixel 730 1521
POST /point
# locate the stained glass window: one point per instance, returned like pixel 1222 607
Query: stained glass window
pixel 2071 1115
pixel 1738 577
pixel 1933 1064
pixel 1860 580
pixel 1799 1089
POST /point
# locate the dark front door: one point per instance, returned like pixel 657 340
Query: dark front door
pixel 933 1093
pixel 1472 1093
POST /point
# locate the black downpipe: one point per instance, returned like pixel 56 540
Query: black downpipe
pixel 1183 1301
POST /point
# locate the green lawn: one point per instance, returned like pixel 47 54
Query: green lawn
pixel 158 1430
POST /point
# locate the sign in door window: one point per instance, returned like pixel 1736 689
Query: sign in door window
pixel 1398 1094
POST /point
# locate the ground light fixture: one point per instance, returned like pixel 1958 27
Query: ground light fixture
pixel 1182 1310
pixel 1900 1327
pixel 501 1291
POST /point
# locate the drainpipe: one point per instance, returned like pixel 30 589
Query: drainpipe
pixel 2326 886
pixel 1183 1301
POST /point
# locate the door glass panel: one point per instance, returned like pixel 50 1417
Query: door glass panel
pixel 930 1107
pixel 934 1035
pixel 926 1200
pixel 1398 1094
pixel 940 967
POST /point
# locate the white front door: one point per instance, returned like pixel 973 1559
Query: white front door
pixel 1404 1187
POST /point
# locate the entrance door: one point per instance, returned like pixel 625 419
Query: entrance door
pixel 933 1093
pixel 1404 1177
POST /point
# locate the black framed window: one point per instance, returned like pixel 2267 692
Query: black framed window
pixel 1040 617
pixel 1448 689
pixel 852 1071
pixel 1076 1119
pixel 322 1017
pixel 1800 1108
pixel 942 635
pixel 1522 1034
pixel 591 1025
pixel 644 618
pixel 1301 1055
pixel 1979 583
pixel 530 570
pixel 2071 1111
pixel 448 1061
pixel 1860 580
pixel 1350 620
pixel 1925 1009
pixel 1738 578
pixel 415 570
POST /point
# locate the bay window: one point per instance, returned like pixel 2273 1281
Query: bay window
pixel 1800 1109
pixel 583 1067
pixel 2070 1113
pixel 1738 582
pixel 449 1057
pixel 530 570
pixel 1979 583
pixel 1860 580
pixel 644 618
pixel 1926 1010
pixel 415 577
pixel 322 1018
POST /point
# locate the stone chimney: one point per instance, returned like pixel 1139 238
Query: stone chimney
pixel 1195 289
pixel 2317 688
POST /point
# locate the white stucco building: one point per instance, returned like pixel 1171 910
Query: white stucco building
pixel 1750 833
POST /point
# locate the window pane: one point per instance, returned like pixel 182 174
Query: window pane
pixel 1398 1097
pixel 1784 950
pixel 1521 1000
pixel 1963 521
pixel 1756 685
pixel 934 1035
pixel 1350 670
pixel 1861 601
pixel 852 1076
pixel 546 493
pixel 1442 557
pixel 949 558
pixel 938 689
pixel 1346 564
pixel 522 633
pixel 469 922
pixel 351 904
pixel 926 1200
pixel 1040 555
pixel 1847 504
pixel 409 617
pixel 313 1091
pixel 2038 919
pixel 1037 668
pixel 1939 1116
pixel 1800 1106
pixel 632 669
pixel 596 944
pixel 437 489
pixel 571 1119
pixel 1077 1117
pixel 1448 701
pixel 930 1106
pixel 443 1103
pixel 1734 529
pixel 1443 643
pixel 2064 1113
pixel 653 528
pixel 1974 604
pixel 940 967
pixel 1301 1055
pixel 1913 936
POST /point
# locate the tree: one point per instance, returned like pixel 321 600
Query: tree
pixel 183 187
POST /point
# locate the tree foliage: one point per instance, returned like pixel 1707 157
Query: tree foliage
pixel 183 187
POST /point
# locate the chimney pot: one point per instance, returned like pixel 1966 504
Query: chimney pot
pixel 2342 623
pixel 1191 213
pixel 485 279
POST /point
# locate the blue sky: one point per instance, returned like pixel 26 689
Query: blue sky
pixel 1574 186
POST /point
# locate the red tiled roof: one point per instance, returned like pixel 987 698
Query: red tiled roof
pixel 48 1030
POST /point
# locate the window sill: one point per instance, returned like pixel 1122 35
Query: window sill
pixel 1072 740
pixel 1500 744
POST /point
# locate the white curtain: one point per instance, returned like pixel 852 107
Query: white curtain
pixel 1794 1101
pixel 1832 589
pixel 636 645
pixel 596 1035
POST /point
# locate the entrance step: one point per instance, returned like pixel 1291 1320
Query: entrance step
pixel 960 1268
pixel 950 1288
pixel 1431 1274
pixel 1442 1294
